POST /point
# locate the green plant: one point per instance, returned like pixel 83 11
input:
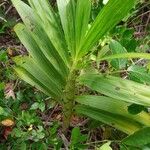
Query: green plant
pixel 60 44
pixel 77 140
pixel 5 22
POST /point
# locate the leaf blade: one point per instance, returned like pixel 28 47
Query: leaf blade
pixel 103 24
pixel 29 42
pixel 113 120
pixel 139 138
pixel 111 105
pixel 117 48
pixel 118 88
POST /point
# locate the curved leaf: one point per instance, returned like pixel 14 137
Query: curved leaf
pixel 126 125
pixel 29 42
pixel 113 106
pixel 50 41
pixel 31 67
pixel 139 138
pixel 118 88
pixel 26 76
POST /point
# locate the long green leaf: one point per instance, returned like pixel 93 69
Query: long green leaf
pixel 51 25
pixel 110 15
pixel 67 12
pixel 83 10
pixel 29 42
pixel 32 68
pixel 126 125
pixel 126 55
pixel 118 88
pixel 74 17
pixel 113 106
pixel 50 46
pixel 26 76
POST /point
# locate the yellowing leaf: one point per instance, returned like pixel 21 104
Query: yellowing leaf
pixel 106 146
pixel 7 122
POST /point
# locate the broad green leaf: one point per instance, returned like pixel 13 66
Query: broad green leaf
pixel 110 15
pixel 118 88
pixel 34 106
pixel 136 109
pixel 139 138
pixel 31 66
pixel 117 48
pixel 121 123
pixel 105 146
pixel 42 106
pixel 77 138
pixel 75 134
pixel 128 33
pixel 111 105
pixel 139 74
pixel 129 44
pixel 17 133
pixel 43 146
pixel 128 41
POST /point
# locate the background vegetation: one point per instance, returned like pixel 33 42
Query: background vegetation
pixel 31 120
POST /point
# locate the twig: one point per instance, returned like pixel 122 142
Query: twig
pixel 1 18
pixel 141 15
pixel 49 117
pixel 10 7
pixel 64 139
pixel 2 4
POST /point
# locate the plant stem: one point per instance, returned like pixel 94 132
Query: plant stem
pixel 69 95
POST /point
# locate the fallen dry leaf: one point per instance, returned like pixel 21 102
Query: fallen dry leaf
pixel 11 52
pixel 9 91
pixel 6 132
pixel 58 117
pixel 7 122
